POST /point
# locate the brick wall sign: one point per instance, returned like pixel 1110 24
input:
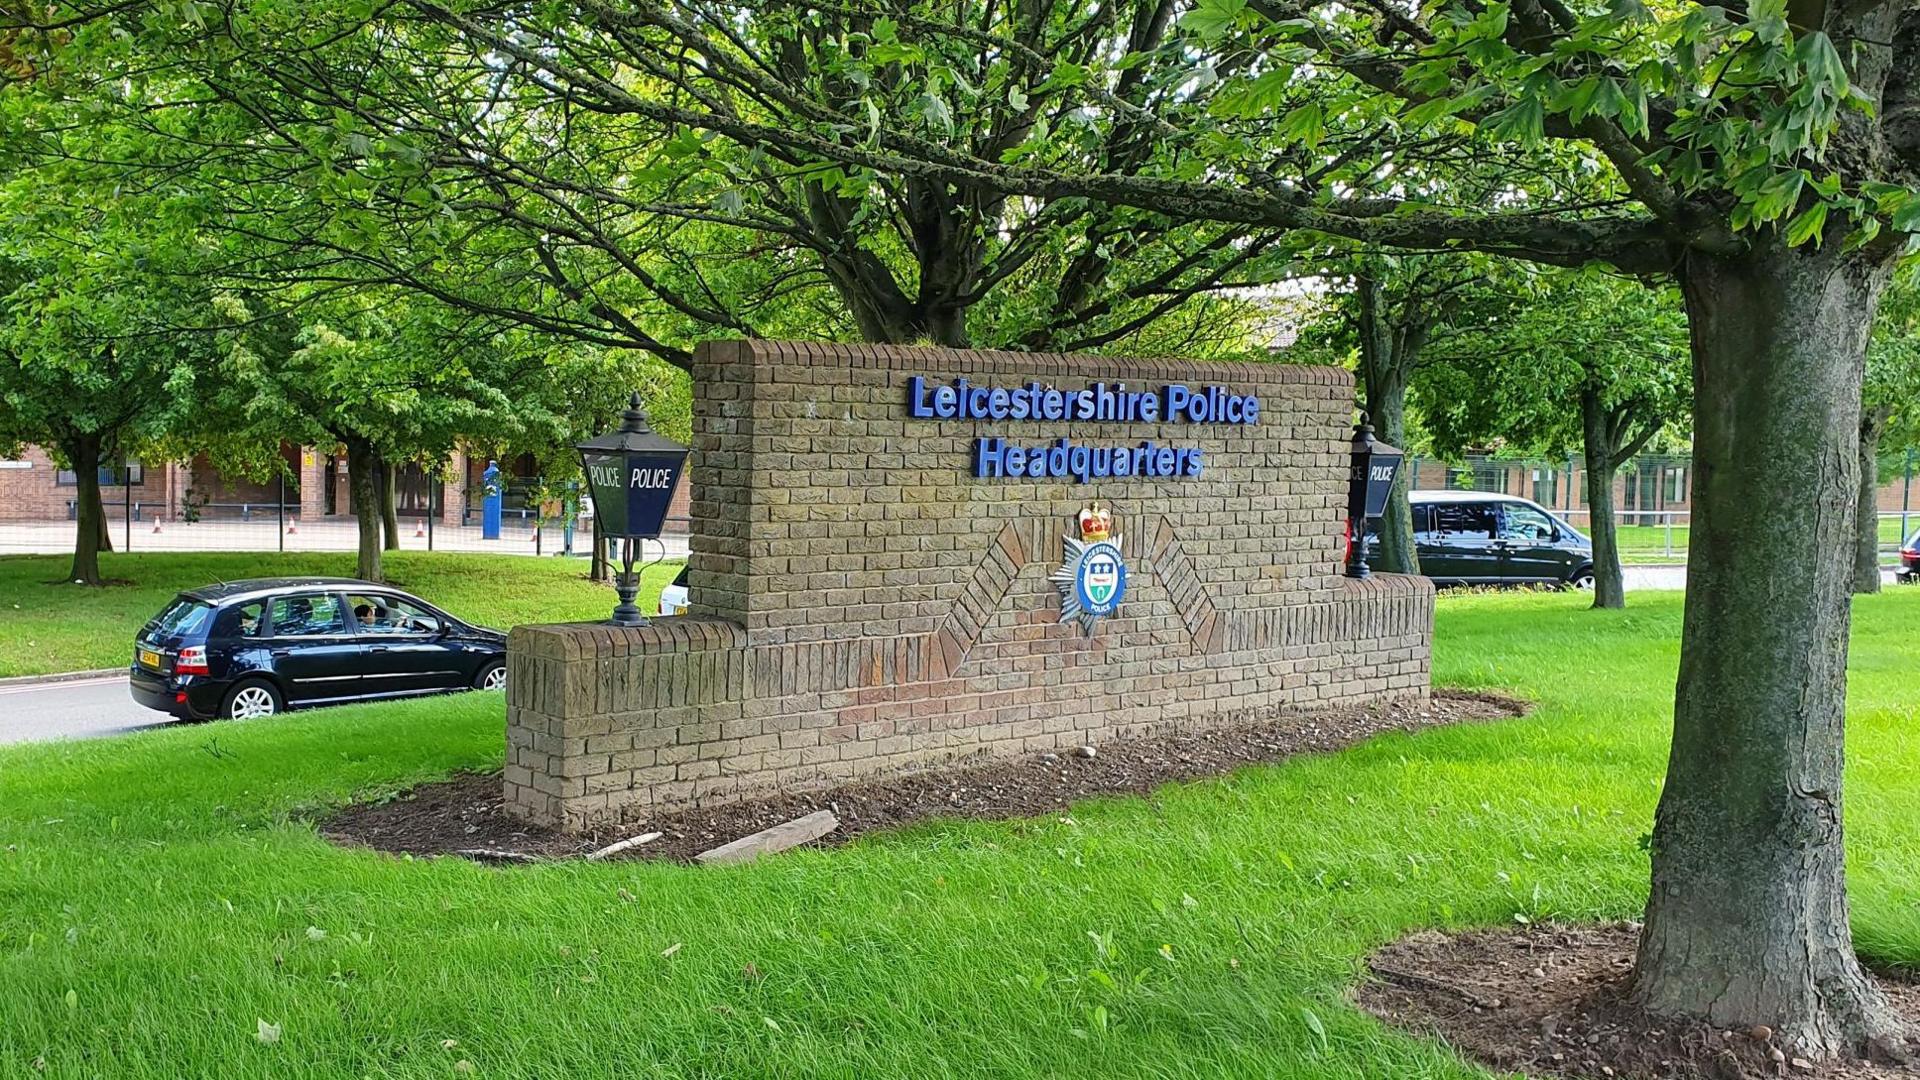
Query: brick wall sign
pixel 904 557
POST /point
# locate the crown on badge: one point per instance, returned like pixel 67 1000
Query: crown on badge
pixel 1096 522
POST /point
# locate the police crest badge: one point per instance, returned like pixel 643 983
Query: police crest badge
pixel 1093 577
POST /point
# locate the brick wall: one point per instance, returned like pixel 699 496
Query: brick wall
pixel 30 490
pixel 862 603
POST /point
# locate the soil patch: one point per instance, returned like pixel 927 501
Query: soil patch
pixel 464 813
pixel 1550 1001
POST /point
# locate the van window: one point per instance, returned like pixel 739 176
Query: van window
pixel 1471 520
pixel 1519 522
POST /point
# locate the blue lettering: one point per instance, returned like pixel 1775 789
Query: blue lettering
pixel 916 397
pixel 998 404
pixel 989 458
pixel 977 403
pixel 1079 460
pixel 1022 404
pixel 945 402
pixel 1057 459
pixel 1177 396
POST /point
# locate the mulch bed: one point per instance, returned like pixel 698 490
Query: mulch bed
pixel 1550 1001
pixel 464 814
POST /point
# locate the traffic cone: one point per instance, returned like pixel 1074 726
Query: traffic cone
pixel 293 524
pixel 420 528
pixel 156 523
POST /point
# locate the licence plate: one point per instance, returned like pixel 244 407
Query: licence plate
pixel 150 659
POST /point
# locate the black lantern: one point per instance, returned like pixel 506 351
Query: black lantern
pixel 632 473
pixel 1375 464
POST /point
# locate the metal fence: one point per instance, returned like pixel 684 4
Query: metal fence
pixel 1652 495
pixel 278 525
pixel 1652 502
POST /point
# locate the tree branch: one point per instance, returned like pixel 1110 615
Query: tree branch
pixel 1632 447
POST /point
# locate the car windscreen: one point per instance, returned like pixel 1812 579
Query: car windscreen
pixel 184 616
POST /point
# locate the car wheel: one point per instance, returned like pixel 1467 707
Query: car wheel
pixel 491 677
pixel 251 700
pixel 1582 579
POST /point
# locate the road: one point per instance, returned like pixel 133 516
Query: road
pixel 81 708
pixel 87 708
pixel 1654 577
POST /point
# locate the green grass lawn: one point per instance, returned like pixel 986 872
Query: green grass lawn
pixel 48 626
pixel 160 896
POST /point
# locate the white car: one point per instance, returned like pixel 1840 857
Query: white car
pixel 673 598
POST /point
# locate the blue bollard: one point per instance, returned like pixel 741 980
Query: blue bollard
pixel 490 507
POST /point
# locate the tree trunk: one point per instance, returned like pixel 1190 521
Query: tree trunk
pixel 1609 580
pixel 1387 408
pixel 1387 360
pixel 1747 921
pixel 90 517
pixel 1866 507
pixel 597 566
pixel 389 516
pixel 363 496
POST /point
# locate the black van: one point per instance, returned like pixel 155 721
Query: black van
pixel 1485 538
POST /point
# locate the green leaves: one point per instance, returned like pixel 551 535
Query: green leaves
pixel 1777 194
pixel 1524 122
pixel 1306 125
pixel 1807 225
pixel 1212 19
pixel 1816 53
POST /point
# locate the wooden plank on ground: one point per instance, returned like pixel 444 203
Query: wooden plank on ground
pixel 779 838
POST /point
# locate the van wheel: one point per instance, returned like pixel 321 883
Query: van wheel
pixel 1582 580
pixel 491 677
pixel 252 699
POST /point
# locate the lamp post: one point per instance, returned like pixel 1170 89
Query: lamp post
pixel 632 472
pixel 1375 464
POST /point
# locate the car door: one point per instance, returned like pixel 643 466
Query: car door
pixel 1530 545
pixel 407 646
pixel 312 648
pixel 1461 545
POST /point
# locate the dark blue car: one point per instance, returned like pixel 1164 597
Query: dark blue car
pixel 244 649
